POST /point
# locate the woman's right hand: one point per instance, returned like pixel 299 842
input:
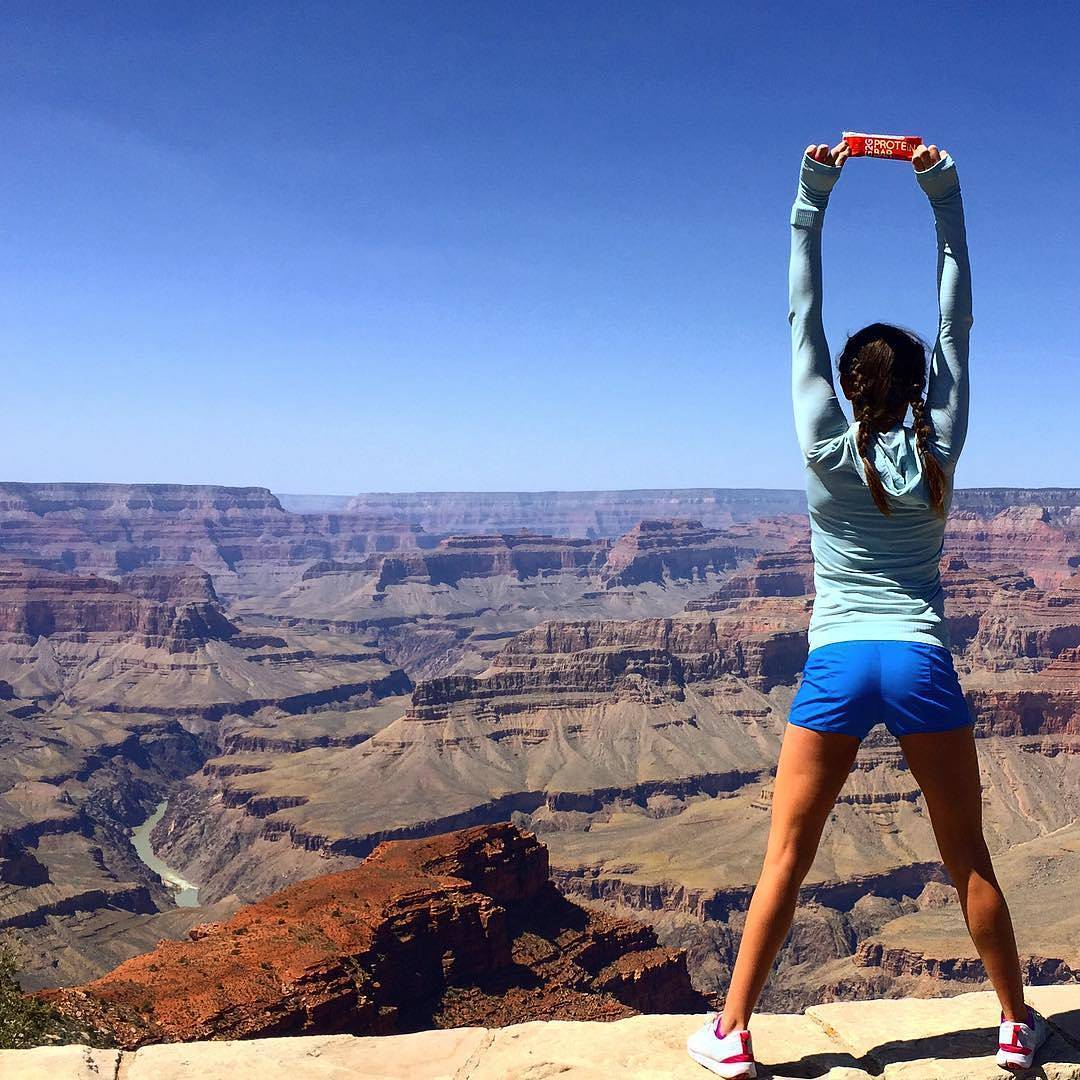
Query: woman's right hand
pixel 834 157
pixel 926 157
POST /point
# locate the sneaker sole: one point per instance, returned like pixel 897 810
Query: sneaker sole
pixel 1015 1067
pixel 730 1072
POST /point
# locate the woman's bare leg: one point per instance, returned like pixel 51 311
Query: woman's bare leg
pixel 812 769
pixel 946 766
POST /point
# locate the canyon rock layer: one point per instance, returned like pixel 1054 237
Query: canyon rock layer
pixel 610 671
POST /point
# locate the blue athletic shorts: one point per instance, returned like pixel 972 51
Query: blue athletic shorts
pixel 909 686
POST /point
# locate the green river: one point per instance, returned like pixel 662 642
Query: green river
pixel 184 892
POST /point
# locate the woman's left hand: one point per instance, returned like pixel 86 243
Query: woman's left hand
pixel 835 157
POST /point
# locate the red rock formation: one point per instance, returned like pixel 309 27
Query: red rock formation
pixel 1041 537
pixel 174 609
pixel 462 928
pixel 112 528
pixel 969 591
pixel 496 742
pixel 1046 702
pixel 522 555
pixel 652 551
pixel 781 573
pixel 657 551
pixel 761 641
pixel 179 584
pixel 1032 623
pixel 897 963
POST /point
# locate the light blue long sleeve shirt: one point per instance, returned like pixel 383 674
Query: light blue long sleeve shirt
pixel 876 576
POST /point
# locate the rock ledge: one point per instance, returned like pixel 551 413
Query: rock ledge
pixel 936 1039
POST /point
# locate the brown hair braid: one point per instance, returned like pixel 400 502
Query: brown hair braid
pixel 933 474
pixel 883 368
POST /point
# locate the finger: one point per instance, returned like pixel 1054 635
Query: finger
pixel 822 154
pixel 935 155
pixel 810 150
pixel 918 158
pixel 843 154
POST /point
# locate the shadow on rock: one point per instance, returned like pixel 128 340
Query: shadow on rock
pixel 1063 1048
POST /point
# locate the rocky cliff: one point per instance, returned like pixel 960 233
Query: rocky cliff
pixel 944 1039
pixel 464 928
pixel 652 551
pixel 452 606
pixel 789 572
pixel 241 536
pixel 759 642
pixel 1041 537
pixel 520 556
pixel 659 550
pixel 175 609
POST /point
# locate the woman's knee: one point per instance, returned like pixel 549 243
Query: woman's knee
pixel 791 857
pixel 967 862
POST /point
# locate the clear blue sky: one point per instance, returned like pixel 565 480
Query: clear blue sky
pixel 507 245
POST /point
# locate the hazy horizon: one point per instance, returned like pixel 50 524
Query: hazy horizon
pixel 478 247
pixel 638 489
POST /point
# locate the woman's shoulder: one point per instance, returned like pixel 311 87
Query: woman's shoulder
pixel 834 450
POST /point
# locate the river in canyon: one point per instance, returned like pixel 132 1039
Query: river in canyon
pixel 184 892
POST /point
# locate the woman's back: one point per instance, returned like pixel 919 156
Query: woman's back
pixel 875 577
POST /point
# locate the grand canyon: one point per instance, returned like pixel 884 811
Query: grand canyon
pixel 523 740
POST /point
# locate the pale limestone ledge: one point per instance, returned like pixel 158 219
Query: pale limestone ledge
pixel 937 1039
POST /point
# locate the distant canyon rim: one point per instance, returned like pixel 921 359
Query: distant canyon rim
pixel 304 677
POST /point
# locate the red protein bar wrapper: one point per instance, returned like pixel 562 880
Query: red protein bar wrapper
pixel 882 146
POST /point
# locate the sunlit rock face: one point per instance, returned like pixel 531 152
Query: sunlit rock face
pixel 459 929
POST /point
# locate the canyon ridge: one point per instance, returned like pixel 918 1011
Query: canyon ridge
pixel 561 707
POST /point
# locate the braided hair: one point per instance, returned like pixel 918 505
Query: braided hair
pixel 883 368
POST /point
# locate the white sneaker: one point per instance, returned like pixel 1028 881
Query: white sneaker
pixel 731 1056
pixel 1018 1043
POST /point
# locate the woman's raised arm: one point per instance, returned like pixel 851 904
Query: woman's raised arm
pixel 818 416
pixel 947 387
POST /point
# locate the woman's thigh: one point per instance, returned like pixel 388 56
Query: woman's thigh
pixel 812 770
pixel 945 765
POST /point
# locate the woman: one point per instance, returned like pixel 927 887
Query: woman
pixel 878 494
